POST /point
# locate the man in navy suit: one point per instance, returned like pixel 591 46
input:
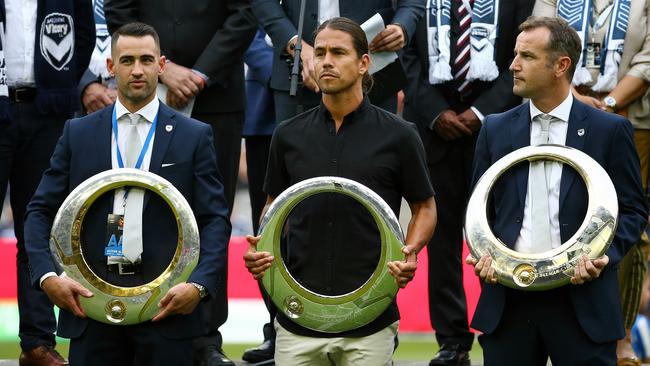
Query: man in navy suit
pixel 182 152
pixel 577 324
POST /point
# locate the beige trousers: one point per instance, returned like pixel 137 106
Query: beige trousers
pixel 373 350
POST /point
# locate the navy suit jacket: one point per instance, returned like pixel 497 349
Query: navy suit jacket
pixel 84 150
pixel 608 139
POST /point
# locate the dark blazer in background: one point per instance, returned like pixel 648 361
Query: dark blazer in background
pixel 280 21
pixel 608 139
pixel 209 36
pixel 85 150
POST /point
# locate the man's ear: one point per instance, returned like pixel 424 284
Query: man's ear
pixel 562 65
pixel 110 66
pixel 364 64
pixel 162 63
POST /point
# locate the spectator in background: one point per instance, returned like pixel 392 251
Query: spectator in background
pixel 448 108
pixel 258 129
pixel 203 41
pixel 641 328
pixel 97 87
pixel 45 48
pixel 613 74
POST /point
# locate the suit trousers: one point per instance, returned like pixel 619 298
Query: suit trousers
pixel 227 134
pixel 450 178
pixel 26 145
pixel 103 344
pixel 537 325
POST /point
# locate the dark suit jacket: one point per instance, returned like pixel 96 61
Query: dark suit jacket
pixel 209 36
pixel 260 112
pixel 608 139
pixel 424 102
pixel 280 21
pixel 84 150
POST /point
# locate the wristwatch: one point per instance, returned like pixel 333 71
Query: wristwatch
pixel 610 102
pixel 202 291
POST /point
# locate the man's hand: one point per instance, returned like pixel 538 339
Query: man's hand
pixel 470 120
pixel 591 101
pixel 182 82
pixel 588 270
pixel 307 58
pixel 483 268
pixel 97 96
pixel 404 272
pixel 64 292
pixel 256 262
pixel 449 127
pixel 390 39
pixel 180 299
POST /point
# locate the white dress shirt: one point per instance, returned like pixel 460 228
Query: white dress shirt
pixel 20 36
pixel 149 112
pixel 328 9
pixel 556 135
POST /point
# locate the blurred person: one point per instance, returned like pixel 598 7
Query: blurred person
pixel 258 129
pixel 613 74
pixel 45 48
pixel 344 136
pixel 203 41
pixel 538 206
pixel 452 86
pixel 640 335
pixel 152 138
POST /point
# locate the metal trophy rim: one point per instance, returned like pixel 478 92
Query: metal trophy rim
pixel 113 304
pixel 553 268
pixel 324 313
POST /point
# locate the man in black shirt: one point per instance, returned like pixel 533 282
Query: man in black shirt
pixel 345 136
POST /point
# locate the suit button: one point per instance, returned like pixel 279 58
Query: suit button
pixel 518 220
pixel 178 22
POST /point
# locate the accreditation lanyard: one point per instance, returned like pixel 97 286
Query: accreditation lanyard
pixel 143 152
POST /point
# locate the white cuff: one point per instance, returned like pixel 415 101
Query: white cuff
pixel 45 276
pixel 478 113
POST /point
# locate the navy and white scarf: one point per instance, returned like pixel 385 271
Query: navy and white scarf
pixel 484 30
pixel 578 13
pixel 102 49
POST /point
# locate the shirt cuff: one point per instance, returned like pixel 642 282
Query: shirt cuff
pixel 478 113
pixel 46 276
pixel 433 121
pixel 286 48
pixel 203 76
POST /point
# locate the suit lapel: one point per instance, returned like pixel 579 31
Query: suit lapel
pixel 103 139
pixel 520 136
pixel 165 127
pixel 576 135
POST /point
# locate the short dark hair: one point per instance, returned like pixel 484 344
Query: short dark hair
pixel 135 29
pixel 359 41
pixel 564 40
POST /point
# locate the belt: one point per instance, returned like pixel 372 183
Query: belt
pixel 125 269
pixel 22 95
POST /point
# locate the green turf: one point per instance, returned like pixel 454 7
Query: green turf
pixel 411 348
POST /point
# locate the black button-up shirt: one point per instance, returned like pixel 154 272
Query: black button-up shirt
pixel 333 244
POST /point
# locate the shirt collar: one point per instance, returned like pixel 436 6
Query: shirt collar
pixel 561 112
pixel 149 111
pixel 352 116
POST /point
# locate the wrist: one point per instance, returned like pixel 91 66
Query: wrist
pixel 201 289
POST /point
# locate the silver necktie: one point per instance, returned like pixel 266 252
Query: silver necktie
pixel 132 241
pixel 539 195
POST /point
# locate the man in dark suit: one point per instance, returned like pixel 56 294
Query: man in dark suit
pixel 182 153
pixel 203 41
pixel 576 324
pixel 448 120
pixel 280 21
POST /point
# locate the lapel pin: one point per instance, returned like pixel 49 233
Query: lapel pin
pixel 169 128
pixel 581 132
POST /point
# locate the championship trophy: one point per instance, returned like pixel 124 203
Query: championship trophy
pixel 324 313
pixel 113 304
pixel 555 267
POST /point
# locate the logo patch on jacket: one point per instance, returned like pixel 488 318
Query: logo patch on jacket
pixel 57 39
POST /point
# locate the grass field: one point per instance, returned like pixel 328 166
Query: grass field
pixel 411 348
